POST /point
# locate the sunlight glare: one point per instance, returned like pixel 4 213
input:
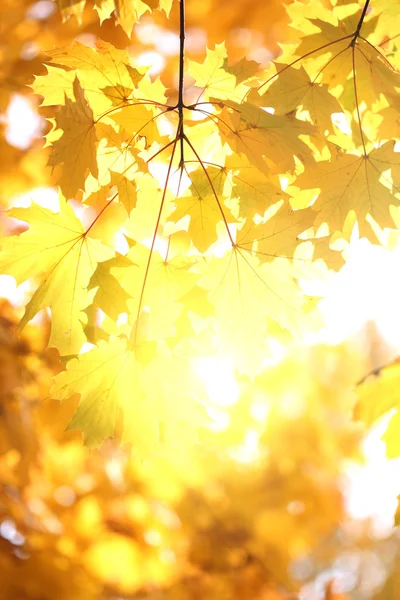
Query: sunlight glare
pixel 371 489
pixel 260 409
pixel 284 181
pixel 219 378
pixel 87 346
pixel 15 294
pixel 122 319
pixel 249 451
pixel 121 243
pixel 339 119
pixel 197 115
pixel 23 123
pixel 160 245
pixel 46 197
pixel 41 10
pixel 364 290
pixel 178 182
pixel 220 418
pixel 152 59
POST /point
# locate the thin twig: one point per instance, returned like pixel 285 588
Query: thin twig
pixel 181 77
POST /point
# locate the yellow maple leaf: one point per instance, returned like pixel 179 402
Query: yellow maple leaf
pixel 138 118
pixel 204 208
pixel 293 89
pixel 166 279
pixel 110 378
pixel 110 296
pixel 246 294
pixel 76 148
pixel 377 397
pixel 56 251
pixel 204 216
pixel 247 191
pixel 269 141
pixel 214 76
pixel 382 384
pixel 349 182
pixel 277 235
pixel 127 12
pixel 103 68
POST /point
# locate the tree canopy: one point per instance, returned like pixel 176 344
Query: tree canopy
pixel 167 429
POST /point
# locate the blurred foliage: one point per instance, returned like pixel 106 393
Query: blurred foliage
pixel 227 521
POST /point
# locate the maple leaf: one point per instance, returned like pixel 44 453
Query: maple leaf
pixel 388 19
pixel 249 294
pixel 293 89
pixel 55 86
pixel 95 136
pixel 377 397
pixel 270 142
pixel 342 57
pixel 71 7
pixel 110 296
pixel 248 191
pixel 139 119
pixel 277 235
pixel 204 218
pixel 101 377
pixel 57 251
pixel 110 378
pixel 203 209
pixel 147 207
pixel 169 279
pixel 355 183
pixel 127 12
pixel 104 72
pixel 389 126
pixel 195 189
pixel 217 79
pixel 76 148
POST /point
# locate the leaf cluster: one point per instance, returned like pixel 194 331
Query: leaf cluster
pixel 184 227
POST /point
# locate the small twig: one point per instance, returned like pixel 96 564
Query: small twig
pixel 360 24
pixel 181 77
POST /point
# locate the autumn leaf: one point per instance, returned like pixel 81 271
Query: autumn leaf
pixel 101 68
pixel 127 13
pixel 216 79
pixel 167 282
pixel 377 397
pixel 270 142
pixel 262 292
pixel 203 209
pixel 356 183
pixel 294 90
pixel 56 251
pixel 76 148
pixel 278 235
pixel 171 310
pixel 110 378
pixel 110 296
pixel 217 200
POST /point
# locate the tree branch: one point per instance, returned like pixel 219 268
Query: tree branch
pixel 360 22
pixel 181 76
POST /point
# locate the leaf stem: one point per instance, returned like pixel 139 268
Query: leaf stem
pixel 353 58
pixel 134 333
pixel 189 143
pixel 310 53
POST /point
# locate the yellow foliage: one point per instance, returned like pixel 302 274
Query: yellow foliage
pixel 166 433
